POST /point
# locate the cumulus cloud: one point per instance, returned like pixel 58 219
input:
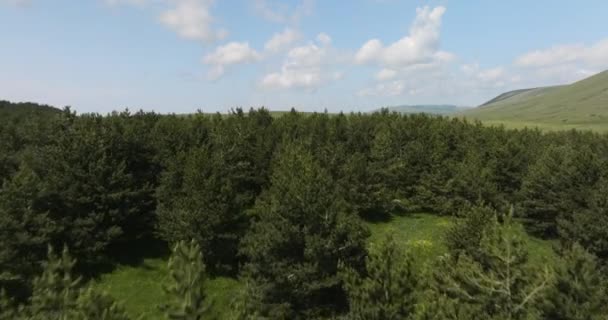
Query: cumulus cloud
pixel 281 40
pixel 126 2
pixel 279 12
pixel 562 63
pixel 568 57
pixel 421 45
pixel 393 88
pixel 228 55
pixel 385 74
pixel 192 19
pixel 304 67
pixel 324 39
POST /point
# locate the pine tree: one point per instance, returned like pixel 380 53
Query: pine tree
pixel 186 292
pixel 580 290
pixel 7 307
pixel 589 227
pixel 465 235
pixel 298 237
pixel 56 291
pixel 387 289
pixel 557 185
pixel 26 230
pixel 499 284
pixel 93 304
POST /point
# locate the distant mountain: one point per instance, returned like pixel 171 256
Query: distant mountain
pixel 581 104
pixel 441 109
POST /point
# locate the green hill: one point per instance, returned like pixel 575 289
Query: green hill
pixel 15 112
pixel 582 105
pixel 442 109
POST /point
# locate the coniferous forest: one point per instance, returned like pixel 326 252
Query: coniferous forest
pixel 282 205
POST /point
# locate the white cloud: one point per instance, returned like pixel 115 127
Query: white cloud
pixel 279 12
pixel 385 74
pixel 324 39
pixel 281 40
pixel 393 88
pixel 594 55
pixel 305 67
pixel 420 46
pixel 126 2
pixel 230 54
pixel 562 64
pixel 192 19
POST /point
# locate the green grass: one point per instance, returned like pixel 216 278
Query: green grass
pixel 421 233
pixel 140 287
pixel 582 105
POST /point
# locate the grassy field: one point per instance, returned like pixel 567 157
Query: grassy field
pixel 140 287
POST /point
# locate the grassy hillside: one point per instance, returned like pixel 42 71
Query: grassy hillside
pixel 581 105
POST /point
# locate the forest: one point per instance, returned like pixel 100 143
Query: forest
pixel 282 203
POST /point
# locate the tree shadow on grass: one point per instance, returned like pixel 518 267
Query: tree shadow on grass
pixel 377 216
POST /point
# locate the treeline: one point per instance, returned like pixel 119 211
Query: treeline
pixel 280 202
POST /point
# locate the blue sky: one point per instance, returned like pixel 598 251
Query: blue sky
pixel 357 55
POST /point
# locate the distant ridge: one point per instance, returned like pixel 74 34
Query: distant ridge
pixel 440 109
pixel 583 103
pixel 10 110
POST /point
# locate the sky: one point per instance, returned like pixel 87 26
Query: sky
pixel 179 56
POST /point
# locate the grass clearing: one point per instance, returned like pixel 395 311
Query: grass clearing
pixel 140 287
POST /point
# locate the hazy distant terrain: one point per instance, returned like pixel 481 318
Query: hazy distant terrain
pixel 442 109
pixel 583 104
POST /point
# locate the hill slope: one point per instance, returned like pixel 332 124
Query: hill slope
pixel 583 104
pixel 15 112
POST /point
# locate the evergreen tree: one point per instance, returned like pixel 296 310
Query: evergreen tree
pixel 580 290
pixel 589 227
pixel 499 284
pixel 299 236
pixel 387 289
pixel 56 291
pixel 26 230
pixel 7 307
pixel 99 306
pixel 558 184
pixel 465 235
pixel 186 292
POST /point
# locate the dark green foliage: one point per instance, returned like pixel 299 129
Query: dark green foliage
pixel 298 238
pixel 58 295
pixel 8 311
pixel 56 291
pixel 96 187
pixel 580 289
pixel 99 306
pixel 288 192
pixel 206 195
pixel 500 284
pixel 558 184
pixel 465 235
pixel 26 230
pixel 589 227
pixel 185 294
pixel 387 287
